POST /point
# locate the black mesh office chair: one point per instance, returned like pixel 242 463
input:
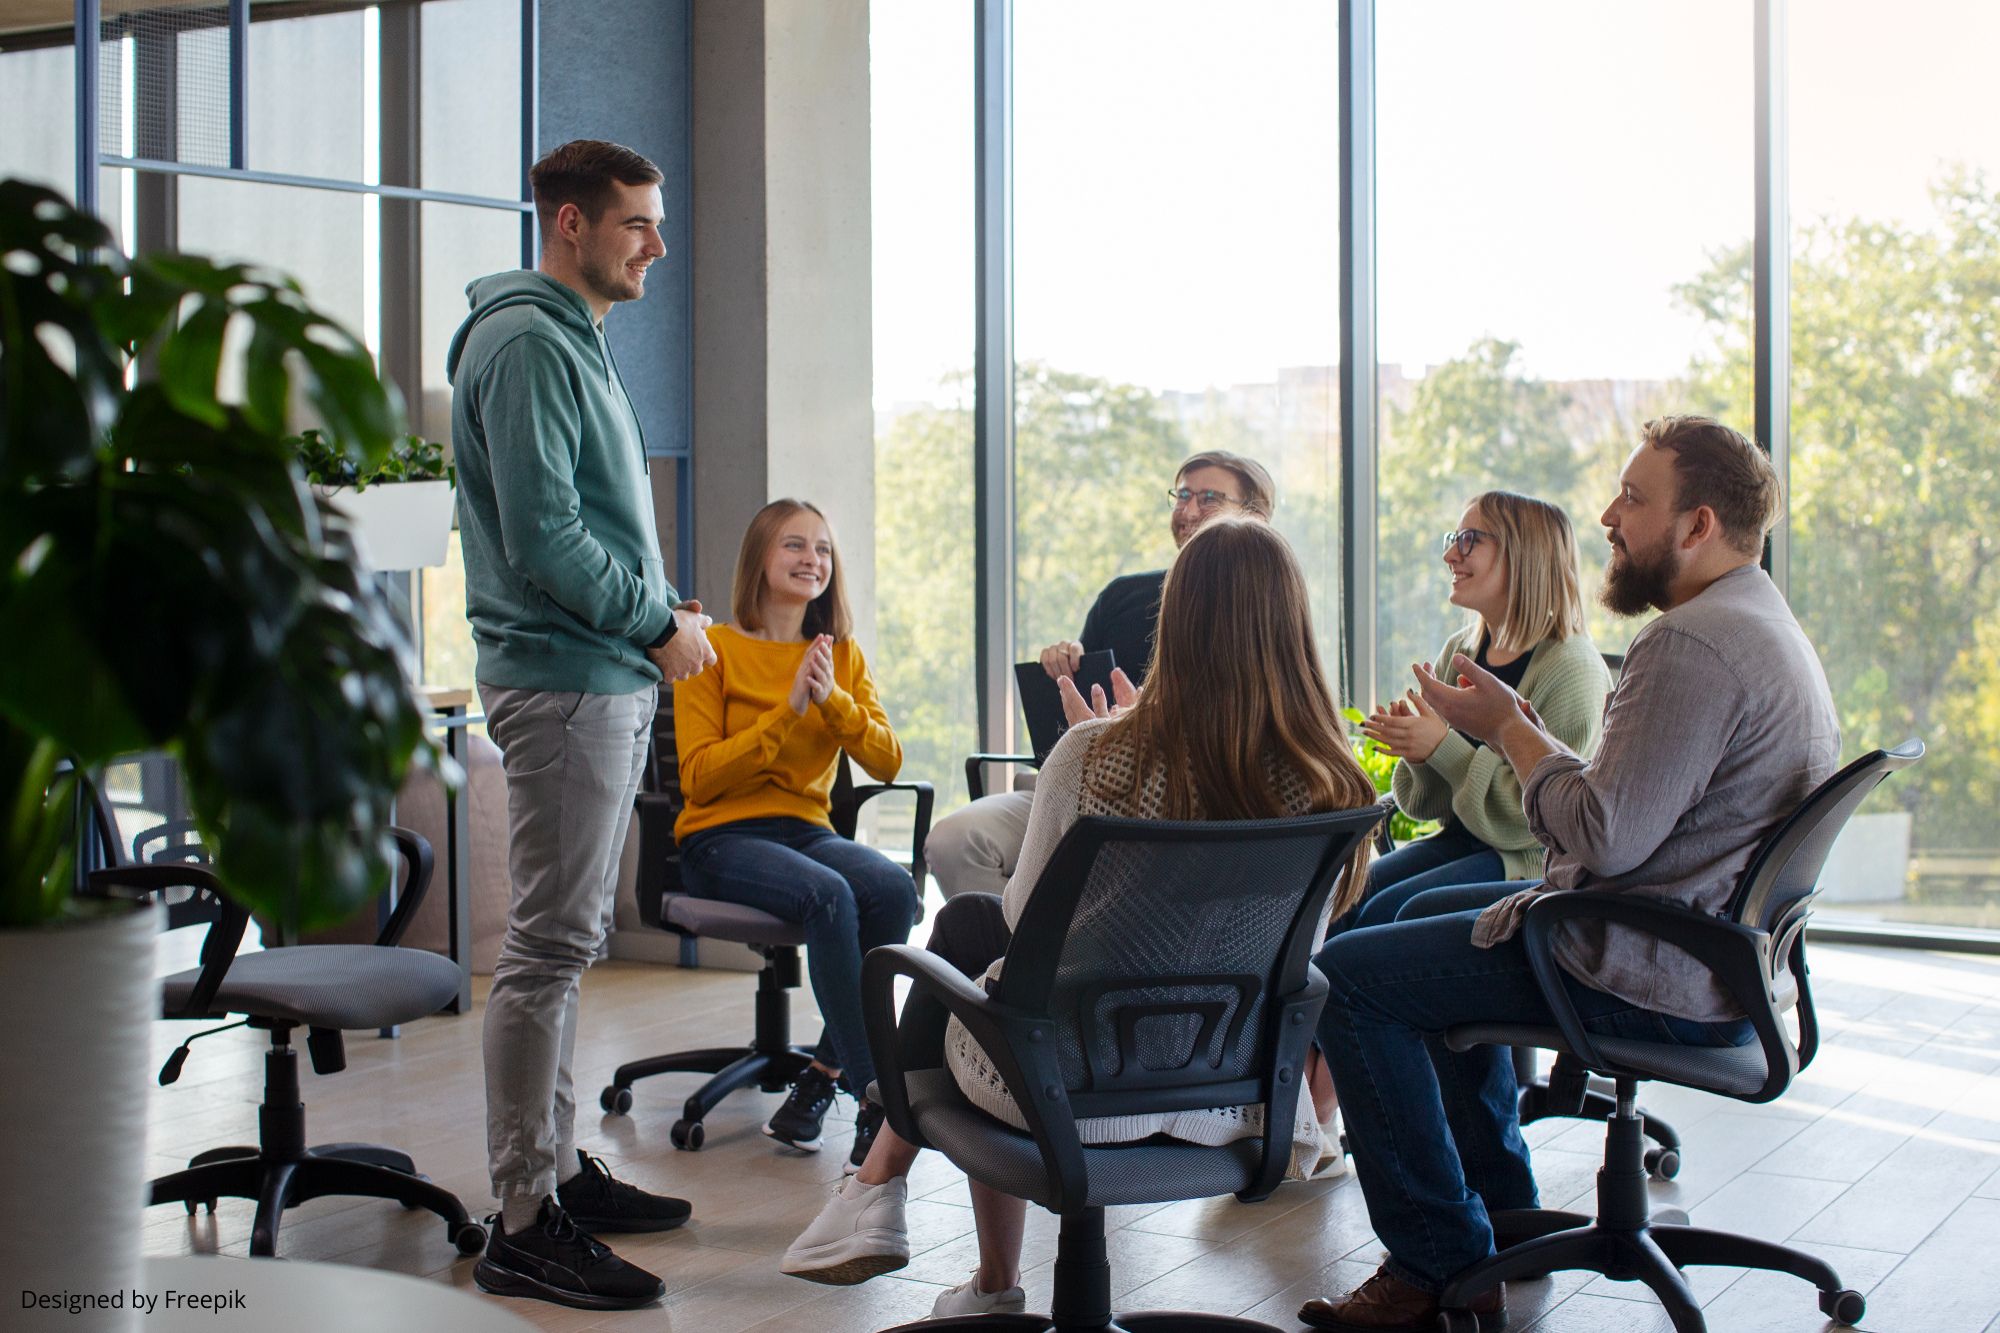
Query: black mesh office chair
pixel 770 1061
pixel 1157 967
pixel 324 988
pixel 1756 949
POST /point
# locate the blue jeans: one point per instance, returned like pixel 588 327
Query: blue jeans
pixel 849 898
pixel 1449 856
pixel 1435 1133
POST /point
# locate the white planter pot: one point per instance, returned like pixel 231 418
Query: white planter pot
pixel 1870 860
pixel 397 525
pixel 76 1049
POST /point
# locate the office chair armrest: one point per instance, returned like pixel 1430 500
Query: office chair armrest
pixel 1736 954
pixel 920 831
pixel 225 932
pixel 1017 1043
pixel 1297 1019
pixel 658 852
pixel 1385 842
pixel 975 769
pixel 419 861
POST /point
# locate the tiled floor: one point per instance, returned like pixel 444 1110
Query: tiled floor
pixel 1884 1159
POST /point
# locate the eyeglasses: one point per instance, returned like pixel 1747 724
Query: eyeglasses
pixel 1465 539
pixel 1206 501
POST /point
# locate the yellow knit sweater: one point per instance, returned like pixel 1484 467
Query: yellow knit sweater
pixel 746 755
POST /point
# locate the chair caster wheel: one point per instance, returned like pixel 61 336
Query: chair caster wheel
pixel 615 1100
pixel 1457 1321
pixel 687 1135
pixel 1843 1307
pixel 1663 1163
pixel 193 1204
pixel 469 1237
pixel 1670 1217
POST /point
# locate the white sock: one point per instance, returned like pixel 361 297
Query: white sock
pixel 568 1164
pixel 518 1212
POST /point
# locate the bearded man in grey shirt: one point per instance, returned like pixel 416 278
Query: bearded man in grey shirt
pixel 1720 725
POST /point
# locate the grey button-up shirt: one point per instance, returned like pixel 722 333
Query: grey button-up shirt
pixel 1719 726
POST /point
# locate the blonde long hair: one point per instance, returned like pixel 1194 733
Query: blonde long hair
pixel 825 614
pixel 1544 596
pixel 1236 682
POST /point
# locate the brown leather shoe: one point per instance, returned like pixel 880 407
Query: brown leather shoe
pixel 1386 1302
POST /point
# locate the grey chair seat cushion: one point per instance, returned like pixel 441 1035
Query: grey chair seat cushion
pixel 1725 1069
pixel 1007 1158
pixel 328 985
pixel 717 920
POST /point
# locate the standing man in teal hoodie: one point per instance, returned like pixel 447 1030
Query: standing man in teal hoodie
pixel 576 627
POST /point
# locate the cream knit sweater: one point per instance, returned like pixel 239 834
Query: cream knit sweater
pixel 1061 798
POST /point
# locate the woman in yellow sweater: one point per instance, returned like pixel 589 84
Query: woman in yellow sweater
pixel 760 735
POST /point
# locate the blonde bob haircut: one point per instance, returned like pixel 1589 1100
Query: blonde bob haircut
pixel 825 614
pixel 1544 594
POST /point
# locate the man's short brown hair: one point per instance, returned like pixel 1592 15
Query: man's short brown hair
pixel 1260 493
pixel 585 172
pixel 1723 469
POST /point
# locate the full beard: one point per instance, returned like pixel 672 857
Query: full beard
pixel 1634 583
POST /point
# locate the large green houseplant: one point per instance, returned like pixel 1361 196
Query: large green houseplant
pixel 170 583
pixel 167 582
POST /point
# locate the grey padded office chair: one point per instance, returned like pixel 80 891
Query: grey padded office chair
pixel 1158 966
pixel 770 1061
pixel 1757 950
pixel 324 988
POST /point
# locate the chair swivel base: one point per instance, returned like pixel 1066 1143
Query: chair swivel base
pixel 733 1067
pixel 278 1183
pixel 1146 1321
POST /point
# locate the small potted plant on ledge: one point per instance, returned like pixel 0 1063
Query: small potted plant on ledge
pixel 399 509
pixel 167 583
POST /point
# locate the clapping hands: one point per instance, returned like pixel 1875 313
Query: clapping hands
pixel 1408 728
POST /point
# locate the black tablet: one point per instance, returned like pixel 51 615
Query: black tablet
pixel 1041 704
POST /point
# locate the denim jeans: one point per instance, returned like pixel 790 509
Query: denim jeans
pixel 1449 856
pixel 1435 1133
pixel 849 898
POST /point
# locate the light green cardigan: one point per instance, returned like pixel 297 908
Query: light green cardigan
pixel 1566 682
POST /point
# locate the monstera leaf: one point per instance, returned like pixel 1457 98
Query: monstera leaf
pixel 168 581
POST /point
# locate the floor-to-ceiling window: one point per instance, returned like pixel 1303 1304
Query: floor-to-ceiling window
pixel 1895 434
pixel 1176 250
pixel 920 74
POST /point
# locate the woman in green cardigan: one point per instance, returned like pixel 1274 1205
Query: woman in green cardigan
pixel 1513 565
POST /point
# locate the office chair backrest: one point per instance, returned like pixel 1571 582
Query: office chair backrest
pixel 1784 872
pixel 1159 950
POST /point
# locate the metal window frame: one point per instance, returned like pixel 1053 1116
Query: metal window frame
pixel 993 371
pixel 1360 375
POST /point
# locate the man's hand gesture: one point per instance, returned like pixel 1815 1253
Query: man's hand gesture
pixel 1480 705
pixel 688 653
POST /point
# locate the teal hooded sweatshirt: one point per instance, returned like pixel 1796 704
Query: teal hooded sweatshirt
pixel 564 584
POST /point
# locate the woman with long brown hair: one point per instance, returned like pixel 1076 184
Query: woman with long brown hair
pixel 760 734
pixel 1237 721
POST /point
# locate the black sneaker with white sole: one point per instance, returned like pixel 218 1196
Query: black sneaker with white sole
pixel 599 1202
pixel 796 1123
pixel 555 1260
pixel 867 1124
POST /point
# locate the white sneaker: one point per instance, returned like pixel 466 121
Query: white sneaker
pixel 861 1233
pixel 967 1298
pixel 1332 1162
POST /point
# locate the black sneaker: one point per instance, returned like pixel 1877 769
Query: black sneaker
pixel 554 1260
pixel 866 1125
pixel 598 1202
pixel 796 1123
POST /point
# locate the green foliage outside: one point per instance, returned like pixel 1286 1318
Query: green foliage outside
pixel 1894 484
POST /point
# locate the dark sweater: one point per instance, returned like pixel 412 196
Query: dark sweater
pixel 1122 619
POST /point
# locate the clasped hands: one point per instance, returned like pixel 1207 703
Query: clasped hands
pixel 813 681
pixel 688 653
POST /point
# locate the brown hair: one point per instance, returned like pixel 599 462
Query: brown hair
pixel 1723 469
pixel 1544 594
pixel 583 172
pixel 1236 682
pixel 825 614
pixel 1260 493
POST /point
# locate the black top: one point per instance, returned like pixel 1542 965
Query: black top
pixel 1122 619
pixel 1509 675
